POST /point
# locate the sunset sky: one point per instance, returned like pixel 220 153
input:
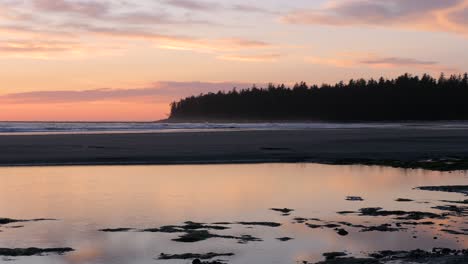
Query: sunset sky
pixel 127 60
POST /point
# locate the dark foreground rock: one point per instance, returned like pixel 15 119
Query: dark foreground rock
pixel 349 260
pixel 354 198
pixel 188 226
pixel 436 256
pixel 209 255
pixel 434 164
pixel 116 230
pixel 284 211
pixel 463 189
pixel 200 235
pixel 334 255
pixel 403 200
pixel 18 252
pixel 268 224
pixel 284 239
pixel 401 215
pixel 6 221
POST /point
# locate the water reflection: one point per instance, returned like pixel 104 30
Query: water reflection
pixel 86 199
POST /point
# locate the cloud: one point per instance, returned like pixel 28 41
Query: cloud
pixel 176 42
pixel 19 48
pixel 373 61
pixel 213 6
pixel 428 15
pixel 88 8
pixel 24 41
pixel 194 5
pixel 157 92
pixel 62 24
pixel 154 18
pixel 396 62
pixel 251 58
pixel 53 49
pixel 251 9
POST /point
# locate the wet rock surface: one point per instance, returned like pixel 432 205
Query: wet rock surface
pixel 402 215
pixel 434 164
pixel 284 211
pixel 209 255
pixel 6 221
pixel 436 256
pixel 381 228
pixel 200 235
pixel 403 200
pixel 21 252
pixel 284 239
pixel 116 230
pixel 463 189
pixel 334 255
pixel 354 198
pixel 268 224
pixel 184 228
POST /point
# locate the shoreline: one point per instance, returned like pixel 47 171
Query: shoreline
pixel 441 149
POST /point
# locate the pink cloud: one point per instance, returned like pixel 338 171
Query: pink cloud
pixel 89 8
pixel 430 15
pixel 162 92
pixel 375 61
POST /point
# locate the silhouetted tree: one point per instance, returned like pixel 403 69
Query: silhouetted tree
pixel 406 97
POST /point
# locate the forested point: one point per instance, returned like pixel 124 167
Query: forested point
pixel 404 98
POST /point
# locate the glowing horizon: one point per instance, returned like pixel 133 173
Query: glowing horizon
pixel 90 60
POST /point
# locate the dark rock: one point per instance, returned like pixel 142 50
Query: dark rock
pixel 116 230
pixel 284 239
pixel 381 228
pixel 184 228
pixel 346 212
pixel 5 221
pixel 350 260
pixel 354 198
pixel 300 220
pixel 402 215
pixel 342 232
pixel 454 232
pixel 334 255
pixel 463 189
pixel 194 256
pixel 269 224
pixel 403 200
pixel 285 211
pixel 313 226
pixel 200 235
pixel 17 252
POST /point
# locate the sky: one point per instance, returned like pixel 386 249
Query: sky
pixel 119 60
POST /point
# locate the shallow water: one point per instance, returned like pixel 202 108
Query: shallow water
pixel 46 128
pixel 86 199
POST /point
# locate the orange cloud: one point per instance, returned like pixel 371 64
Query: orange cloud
pixel 251 58
pixel 62 23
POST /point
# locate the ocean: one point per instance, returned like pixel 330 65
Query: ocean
pixel 8 128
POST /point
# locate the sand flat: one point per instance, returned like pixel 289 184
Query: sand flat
pixel 320 145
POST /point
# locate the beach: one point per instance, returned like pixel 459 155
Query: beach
pixel 352 145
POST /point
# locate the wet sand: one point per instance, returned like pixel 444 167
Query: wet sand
pixel 321 145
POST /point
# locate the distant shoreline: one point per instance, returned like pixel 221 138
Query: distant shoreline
pixel 60 128
pixel 405 148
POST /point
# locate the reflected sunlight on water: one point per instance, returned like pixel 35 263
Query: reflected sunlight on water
pixel 88 198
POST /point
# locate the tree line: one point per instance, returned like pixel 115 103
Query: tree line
pixel 406 97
